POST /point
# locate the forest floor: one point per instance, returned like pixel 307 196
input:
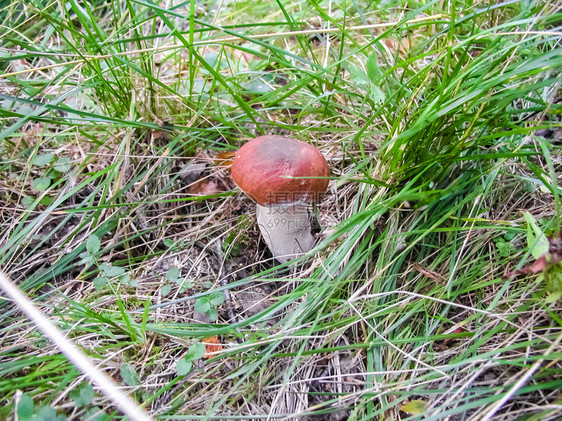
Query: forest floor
pixel 434 290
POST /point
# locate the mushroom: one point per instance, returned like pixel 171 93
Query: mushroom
pixel 282 175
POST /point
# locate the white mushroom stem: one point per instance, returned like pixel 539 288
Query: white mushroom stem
pixel 286 230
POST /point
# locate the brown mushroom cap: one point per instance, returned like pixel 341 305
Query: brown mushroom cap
pixel 259 166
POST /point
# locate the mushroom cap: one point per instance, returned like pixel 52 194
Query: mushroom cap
pixel 260 165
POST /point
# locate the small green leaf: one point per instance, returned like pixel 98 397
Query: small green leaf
pixel 358 75
pixel 83 395
pixel 165 290
pixel 63 164
pixel 173 274
pixel 25 407
pixel 41 184
pixel 47 413
pixel 43 159
pixel 509 236
pixel 553 297
pixel 93 244
pixel 415 407
pixel 373 69
pixel 183 366
pixel 129 375
pixel 196 351
pixel 111 271
pixel 216 298
pixel 202 305
pixel 125 279
pixel 46 200
pixel 87 393
pixel 377 94
pixel 184 284
pixel 212 314
pixel 100 282
pixel 537 241
pixel 27 200
pixel 87 258
pixel 168 242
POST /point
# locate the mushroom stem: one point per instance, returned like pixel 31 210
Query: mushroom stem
pixel 286 230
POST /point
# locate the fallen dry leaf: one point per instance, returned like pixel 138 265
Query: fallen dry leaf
pixel 212 345
pixel 160 134
pixel 456 330
pixel 415 407
pixel 552 257
pixel 224 159
pixel 430 274
pixel 204 187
